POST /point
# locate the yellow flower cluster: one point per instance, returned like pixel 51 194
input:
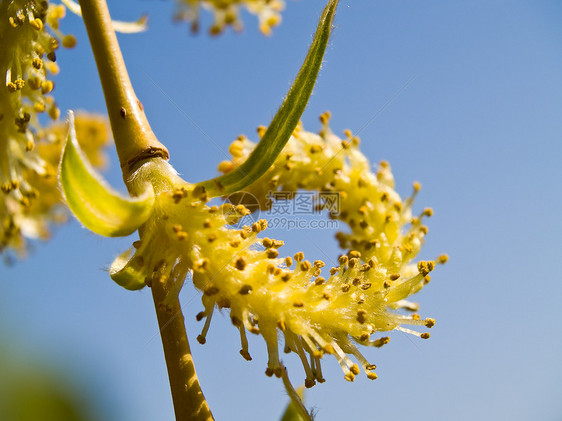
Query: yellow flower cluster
pixel 271 295
pixel 31 215
pixel 368 203
pixel 27 59
pixel 227 13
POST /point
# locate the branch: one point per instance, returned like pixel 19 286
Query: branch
pixel 135 142
pixel 132 134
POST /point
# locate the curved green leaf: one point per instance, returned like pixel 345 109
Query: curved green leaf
pixel 292 412
pixel 126 272
pixel 281 127
pixel 295 411
pixel 94 203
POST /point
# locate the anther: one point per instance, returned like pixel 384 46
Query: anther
pixel 361 316
pixel 365 267
pixel 240 263
pixel 69 41
pixel 305 266
pixel 225 167
pixel 425 267
pixel 349 377
pixel 394 276
pixel 245 232
pixel 47 87
pixel 179 194
pixel 316 148
pixel 272 253
pixel 245 289
pixel 381 341
pixel 286 277
pixel 319 263
pixel 308 383
pixel 246 354
pixel 37 63
pixel 36 24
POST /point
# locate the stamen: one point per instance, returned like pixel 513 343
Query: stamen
pixel 312 349
pixel 412 332
pixel 244 341
pixel 367 367
pixel 309 381
pixel 317 369
pixel 273 364
pixel 202 337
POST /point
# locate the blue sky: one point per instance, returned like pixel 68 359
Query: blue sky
pixel 465 97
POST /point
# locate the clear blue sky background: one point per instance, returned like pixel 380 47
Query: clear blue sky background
pixel 479 125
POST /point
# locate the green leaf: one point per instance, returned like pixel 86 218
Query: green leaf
pixel 292 411
pixel 94 203
pixel 286 119
pixel 126 272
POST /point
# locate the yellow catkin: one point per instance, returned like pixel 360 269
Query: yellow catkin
pixel 361 297
pixel 29 153
pixel 227 13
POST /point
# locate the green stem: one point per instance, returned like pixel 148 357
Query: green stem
pixel 189 402
pixel 135 142
pixel 132 134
